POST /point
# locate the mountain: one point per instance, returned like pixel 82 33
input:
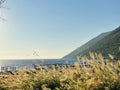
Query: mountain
pixel 86 46
pixel 105 43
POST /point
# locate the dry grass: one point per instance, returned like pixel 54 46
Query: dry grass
pixel 95 75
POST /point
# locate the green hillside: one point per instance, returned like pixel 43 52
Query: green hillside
pixel 106 43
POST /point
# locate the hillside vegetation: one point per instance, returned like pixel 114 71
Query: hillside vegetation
pixel 110 44
pixel 105 43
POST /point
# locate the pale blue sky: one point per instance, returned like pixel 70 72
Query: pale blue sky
pixel 53 27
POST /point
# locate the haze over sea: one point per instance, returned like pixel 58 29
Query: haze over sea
pixel 25 62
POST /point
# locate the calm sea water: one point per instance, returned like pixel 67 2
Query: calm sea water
pixel 35 61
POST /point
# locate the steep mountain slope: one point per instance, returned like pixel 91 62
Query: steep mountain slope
pixel 84 47
pixel 106 43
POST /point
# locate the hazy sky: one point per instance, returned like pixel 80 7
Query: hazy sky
pixel 53 28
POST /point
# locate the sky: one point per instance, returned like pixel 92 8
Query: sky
pixel 53 28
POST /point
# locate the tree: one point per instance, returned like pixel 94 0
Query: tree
pixel 1 2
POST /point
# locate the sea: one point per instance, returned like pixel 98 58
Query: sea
pixel 15 64
pixel 12 62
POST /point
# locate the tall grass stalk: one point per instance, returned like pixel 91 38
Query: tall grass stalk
pixel 95 74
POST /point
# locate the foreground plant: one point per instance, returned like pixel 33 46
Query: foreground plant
pixel 90 74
